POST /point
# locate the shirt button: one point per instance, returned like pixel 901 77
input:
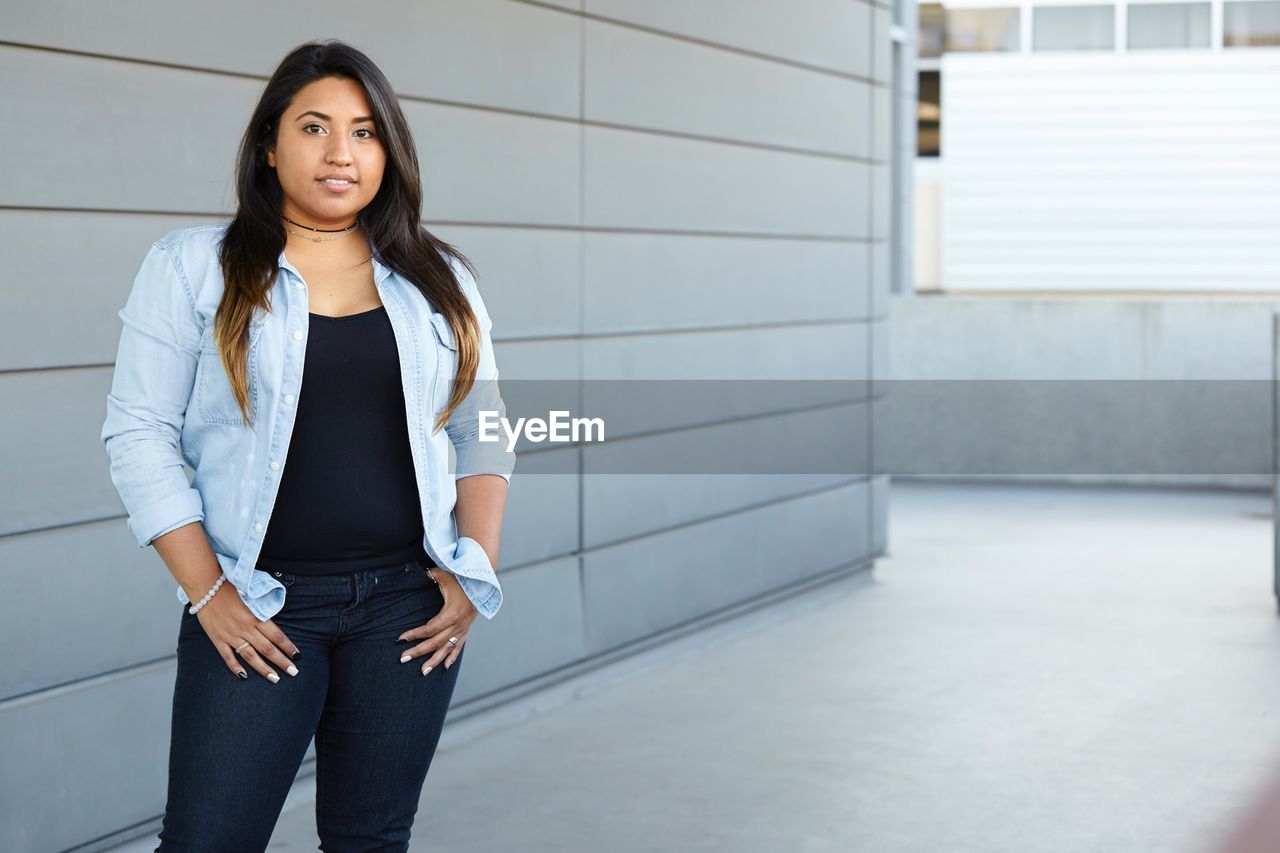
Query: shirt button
pixel 258 527
pixel 274 465
pixel 297 334
pixel 288 398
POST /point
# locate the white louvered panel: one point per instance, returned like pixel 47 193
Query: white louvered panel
pixel 1146 171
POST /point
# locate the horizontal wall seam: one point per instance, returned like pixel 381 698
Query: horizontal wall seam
pixel 474 223
pixel 720 516
pixel 569 338
pixel 582 666
pixel 511 111
pixel 53 691
pixel 859 400
pixel 674 35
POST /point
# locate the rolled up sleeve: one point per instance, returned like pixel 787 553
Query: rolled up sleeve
pixel 474 455
pixel 476 576
pixel 146 407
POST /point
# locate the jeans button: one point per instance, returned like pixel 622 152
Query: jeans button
pixel 277 574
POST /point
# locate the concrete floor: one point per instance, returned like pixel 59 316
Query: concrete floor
pixel 1030 669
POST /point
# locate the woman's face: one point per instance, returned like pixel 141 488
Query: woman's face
pixel 327 130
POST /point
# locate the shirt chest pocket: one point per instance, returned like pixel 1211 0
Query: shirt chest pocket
pixel 215 401
pixel 446 360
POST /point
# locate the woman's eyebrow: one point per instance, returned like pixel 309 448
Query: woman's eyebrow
pixel 329 118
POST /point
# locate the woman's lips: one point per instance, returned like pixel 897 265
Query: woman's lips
pixel 337 186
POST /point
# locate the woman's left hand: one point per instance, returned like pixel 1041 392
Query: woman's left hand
pixel 453 620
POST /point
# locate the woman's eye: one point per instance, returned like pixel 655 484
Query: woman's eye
pixel 358 130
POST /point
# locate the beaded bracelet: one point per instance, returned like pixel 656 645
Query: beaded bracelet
pixel 208 595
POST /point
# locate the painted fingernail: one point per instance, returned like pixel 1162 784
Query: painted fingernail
pixel 243 675
pixel 426 670
pixel 292 670
pixel 273 677
pixel 296 655
pixel 402 639
pixel 406 658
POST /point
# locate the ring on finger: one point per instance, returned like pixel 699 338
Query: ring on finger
pixel 242 645
pixel 453 641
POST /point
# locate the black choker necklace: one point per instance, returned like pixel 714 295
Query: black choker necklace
pixel 321 230
pixel 340 232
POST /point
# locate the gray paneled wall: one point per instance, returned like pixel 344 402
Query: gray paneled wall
pixel 699 188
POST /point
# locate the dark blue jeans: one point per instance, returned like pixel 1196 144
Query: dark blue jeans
pixel 236 745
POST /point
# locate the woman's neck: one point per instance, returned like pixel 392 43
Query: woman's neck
pixel 350 250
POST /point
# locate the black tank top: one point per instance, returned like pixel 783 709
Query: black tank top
pixel 348 496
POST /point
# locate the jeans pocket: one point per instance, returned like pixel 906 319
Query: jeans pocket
pixel 416 575
pixel 410 580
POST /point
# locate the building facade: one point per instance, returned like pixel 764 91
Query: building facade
pixel 702 184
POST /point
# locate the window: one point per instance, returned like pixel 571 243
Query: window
pixel 1155 25
pixel 981 30
pixel 1073 28
pixel 932 35
pixel 1251 24
pixel 929 115
pixel 965 30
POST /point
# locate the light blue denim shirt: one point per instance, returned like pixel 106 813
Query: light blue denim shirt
pixel 171 402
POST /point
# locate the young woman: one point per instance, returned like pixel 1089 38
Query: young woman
pixel 312 359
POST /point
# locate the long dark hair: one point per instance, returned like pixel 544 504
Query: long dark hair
pixel 255 237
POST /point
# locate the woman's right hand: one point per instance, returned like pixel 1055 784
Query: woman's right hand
pixel 229 623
